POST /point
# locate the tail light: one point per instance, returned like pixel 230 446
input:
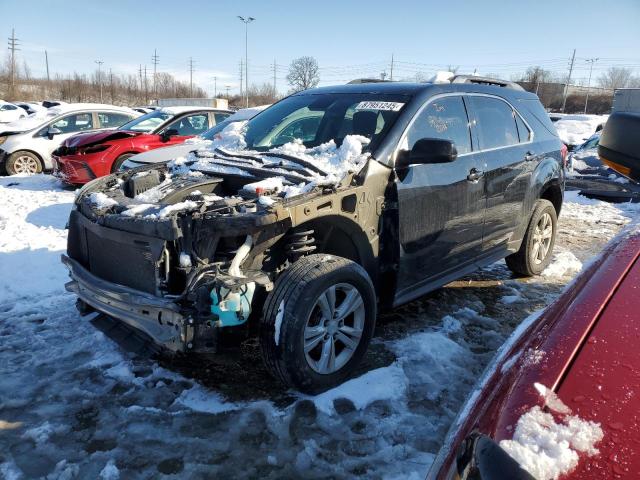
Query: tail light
pixel 564 153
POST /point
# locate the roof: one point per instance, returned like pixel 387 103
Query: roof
pixel 190 108
pixel 413 89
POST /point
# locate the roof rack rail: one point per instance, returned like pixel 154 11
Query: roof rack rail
pixel 367 80
pixel 486 81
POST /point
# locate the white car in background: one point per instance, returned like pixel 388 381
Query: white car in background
pixel 31 107
pixel 10 112
pixel 26 145
pixel 169 153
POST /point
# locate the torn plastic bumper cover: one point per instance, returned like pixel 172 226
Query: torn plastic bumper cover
pixel 161 319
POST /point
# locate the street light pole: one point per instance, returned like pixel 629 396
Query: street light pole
pixel 591 61
pixel 100 62
pixel 246 22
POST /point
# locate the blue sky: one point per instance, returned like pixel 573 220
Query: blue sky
pixel 348 39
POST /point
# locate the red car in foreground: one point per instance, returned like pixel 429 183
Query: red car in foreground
pixel 562 396
pixel 86 156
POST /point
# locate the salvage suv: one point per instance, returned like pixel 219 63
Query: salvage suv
pixel 298 225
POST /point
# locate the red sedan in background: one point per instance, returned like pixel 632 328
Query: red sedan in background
pixel 562 396
pixel 86 156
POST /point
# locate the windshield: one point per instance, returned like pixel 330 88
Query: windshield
pixel 147 123
pixel 317 119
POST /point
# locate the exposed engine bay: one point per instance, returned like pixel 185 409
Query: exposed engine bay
pixel 192 244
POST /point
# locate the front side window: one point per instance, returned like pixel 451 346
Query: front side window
pixel 189 125
pixel 496 123
pixel 444 118
pixel 147 123
pixel 112 120
pixel 316 119
pixel 74 123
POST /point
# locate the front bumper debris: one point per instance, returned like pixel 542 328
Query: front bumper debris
pixel 159 318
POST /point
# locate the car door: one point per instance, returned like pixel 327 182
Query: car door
pixel 67 125
pixel 184 127
pixel 440 206
pixel 505 142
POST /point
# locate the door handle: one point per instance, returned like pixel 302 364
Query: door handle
pixel 475 175
pixel 529 156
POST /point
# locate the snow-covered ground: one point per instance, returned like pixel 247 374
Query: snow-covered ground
pixel 75 405
pixel 575 129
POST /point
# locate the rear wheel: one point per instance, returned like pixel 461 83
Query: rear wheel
pixel 23 162
pixel 537 246
pixel 119 161
pixel 318 322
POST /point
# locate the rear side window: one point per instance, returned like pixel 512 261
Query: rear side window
pixel 220 117
pixel 496 123
pixel 74 123
pixel 112 120
pixel 444 118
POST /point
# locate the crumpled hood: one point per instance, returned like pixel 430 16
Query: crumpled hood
pixel 93 138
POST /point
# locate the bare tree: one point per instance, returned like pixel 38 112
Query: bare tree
pixel 303 74
pixel 536 75
pixel 615 77
pixel 262 94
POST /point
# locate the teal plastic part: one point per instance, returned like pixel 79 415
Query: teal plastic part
pixel 233 308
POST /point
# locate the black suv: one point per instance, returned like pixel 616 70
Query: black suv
pixel 330 204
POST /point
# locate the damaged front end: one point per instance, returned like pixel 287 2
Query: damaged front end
pixel 178 256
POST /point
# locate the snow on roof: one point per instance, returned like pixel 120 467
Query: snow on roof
pixel 187 108
pixel 246 113
pixel 39 118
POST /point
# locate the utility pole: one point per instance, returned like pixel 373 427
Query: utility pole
pixel 141 84
pixel 591 61
pixel 46 61
pixel 241 76
pixel 146 90
pixel 155 59
pixel 191 77
pixel 13 47
pixel 100 62
pixel 566 86
pixel 275 88
pixel 246 22
pixel 383 75
pixel 227 87
pixel 215 87
pixel 391 76
pixel 111 88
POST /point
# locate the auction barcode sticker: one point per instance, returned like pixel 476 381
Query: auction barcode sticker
pixel 388 106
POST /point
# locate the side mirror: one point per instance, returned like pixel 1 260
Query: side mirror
pixel 167 134
pixel 427 151
pixel 481 458
pixel 52 132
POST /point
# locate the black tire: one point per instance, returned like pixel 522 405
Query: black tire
pixel 523 262
pixel 23 162
pixel 119 161
pixel 298 290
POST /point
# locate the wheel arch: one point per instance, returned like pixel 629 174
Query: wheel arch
pixel 343 237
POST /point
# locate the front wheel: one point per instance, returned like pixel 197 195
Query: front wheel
pixel 23 162
pixel 537 246
pixel 318 322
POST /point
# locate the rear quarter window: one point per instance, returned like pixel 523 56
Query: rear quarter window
pixel 538 118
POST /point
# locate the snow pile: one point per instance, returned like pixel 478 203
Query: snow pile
pixel 101 202
pixel 563 264
pixel 442 76
pixel 576 129
pixel 547 448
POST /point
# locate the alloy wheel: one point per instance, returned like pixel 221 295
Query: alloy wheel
pixel 542 237
pixel 334 328
pixel 25 164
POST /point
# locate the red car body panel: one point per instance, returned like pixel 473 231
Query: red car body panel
pixel 81 166
pixel 584 325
